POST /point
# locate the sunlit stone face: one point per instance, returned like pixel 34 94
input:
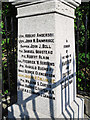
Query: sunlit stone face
pixel 46 59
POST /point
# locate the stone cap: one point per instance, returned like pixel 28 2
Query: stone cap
pixel 37 7
pixel 75 3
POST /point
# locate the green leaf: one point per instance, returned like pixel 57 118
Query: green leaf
pixel 79 79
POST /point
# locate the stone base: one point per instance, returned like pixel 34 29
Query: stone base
pixel 75 110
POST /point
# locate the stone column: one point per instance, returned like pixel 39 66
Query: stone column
pixel 46 60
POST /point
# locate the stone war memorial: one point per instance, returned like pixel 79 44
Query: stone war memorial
pixel 46 85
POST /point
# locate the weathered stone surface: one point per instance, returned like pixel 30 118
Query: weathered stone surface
pixel 75 110
pixel 46 61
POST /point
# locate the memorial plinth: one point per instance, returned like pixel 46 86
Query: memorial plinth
pixel 46 84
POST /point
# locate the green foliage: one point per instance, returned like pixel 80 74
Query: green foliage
pixel 81 12
pixel 5 92
pixel 7 56
pixel 4 58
